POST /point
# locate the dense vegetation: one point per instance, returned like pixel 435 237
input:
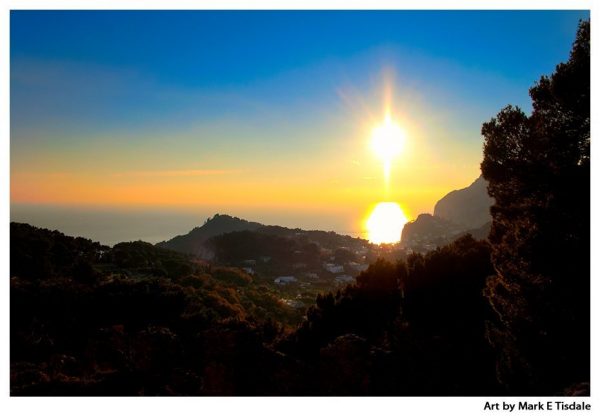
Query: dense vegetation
pixel 538 168
pixel 411 328
pixel 504 316
pixel 134 319
pixel 153 321
pixel 208 240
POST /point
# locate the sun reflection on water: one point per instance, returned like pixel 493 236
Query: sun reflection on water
pixel 385 223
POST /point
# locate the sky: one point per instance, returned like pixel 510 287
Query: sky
pixel 265 115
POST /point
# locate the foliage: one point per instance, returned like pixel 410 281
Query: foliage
pixel 419 326
pixel 134 319
pixel 140 327
pixel 146 258
pixel 538 168
pixel 236 246
pixel 43 254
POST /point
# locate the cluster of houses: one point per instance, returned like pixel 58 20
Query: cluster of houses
pixel 343 274
pixel 284 280
pixel 302 274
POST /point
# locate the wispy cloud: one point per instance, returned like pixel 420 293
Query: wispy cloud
pixel 176 173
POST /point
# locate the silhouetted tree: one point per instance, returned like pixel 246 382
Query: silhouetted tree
pixel 538 168
pixel 79 327
pixel 410 328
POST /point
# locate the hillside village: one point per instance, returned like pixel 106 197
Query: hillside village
pixel 300 264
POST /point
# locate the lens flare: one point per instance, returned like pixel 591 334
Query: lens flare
pixel 387 139
pixel 385 223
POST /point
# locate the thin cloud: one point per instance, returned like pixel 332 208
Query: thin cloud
pixel 177 173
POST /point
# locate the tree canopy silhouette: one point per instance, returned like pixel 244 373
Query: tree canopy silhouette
pixel 538 168
pixel 415 327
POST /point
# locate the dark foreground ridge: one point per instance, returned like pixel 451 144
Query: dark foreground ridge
pixel 138 319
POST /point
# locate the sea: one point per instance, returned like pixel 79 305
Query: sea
pixel 111 225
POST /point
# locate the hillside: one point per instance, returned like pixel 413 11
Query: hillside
pixel 193 242
pixel 300 264
pixel 200 241
pixel 468 207
pixel 137 319
pixel 460 212
pixel 428 231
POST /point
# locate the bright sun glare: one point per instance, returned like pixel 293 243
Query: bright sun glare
pixel 387 139
pixel 385 223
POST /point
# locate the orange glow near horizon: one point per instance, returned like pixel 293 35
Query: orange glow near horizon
pixel 237 166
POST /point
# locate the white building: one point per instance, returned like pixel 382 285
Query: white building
pixel 293 303
pixel 344 278
pixel 284 280
pixel 333 268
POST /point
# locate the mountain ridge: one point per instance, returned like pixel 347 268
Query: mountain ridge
pixel 459 212
pixel 467 207
pixel 193 241
pixel 197 241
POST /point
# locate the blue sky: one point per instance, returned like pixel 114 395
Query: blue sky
pixel 225 51
pixel 232 48
pixel 263 97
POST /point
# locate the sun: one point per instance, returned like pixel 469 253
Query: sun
pixel 387 139
pixel 385 223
